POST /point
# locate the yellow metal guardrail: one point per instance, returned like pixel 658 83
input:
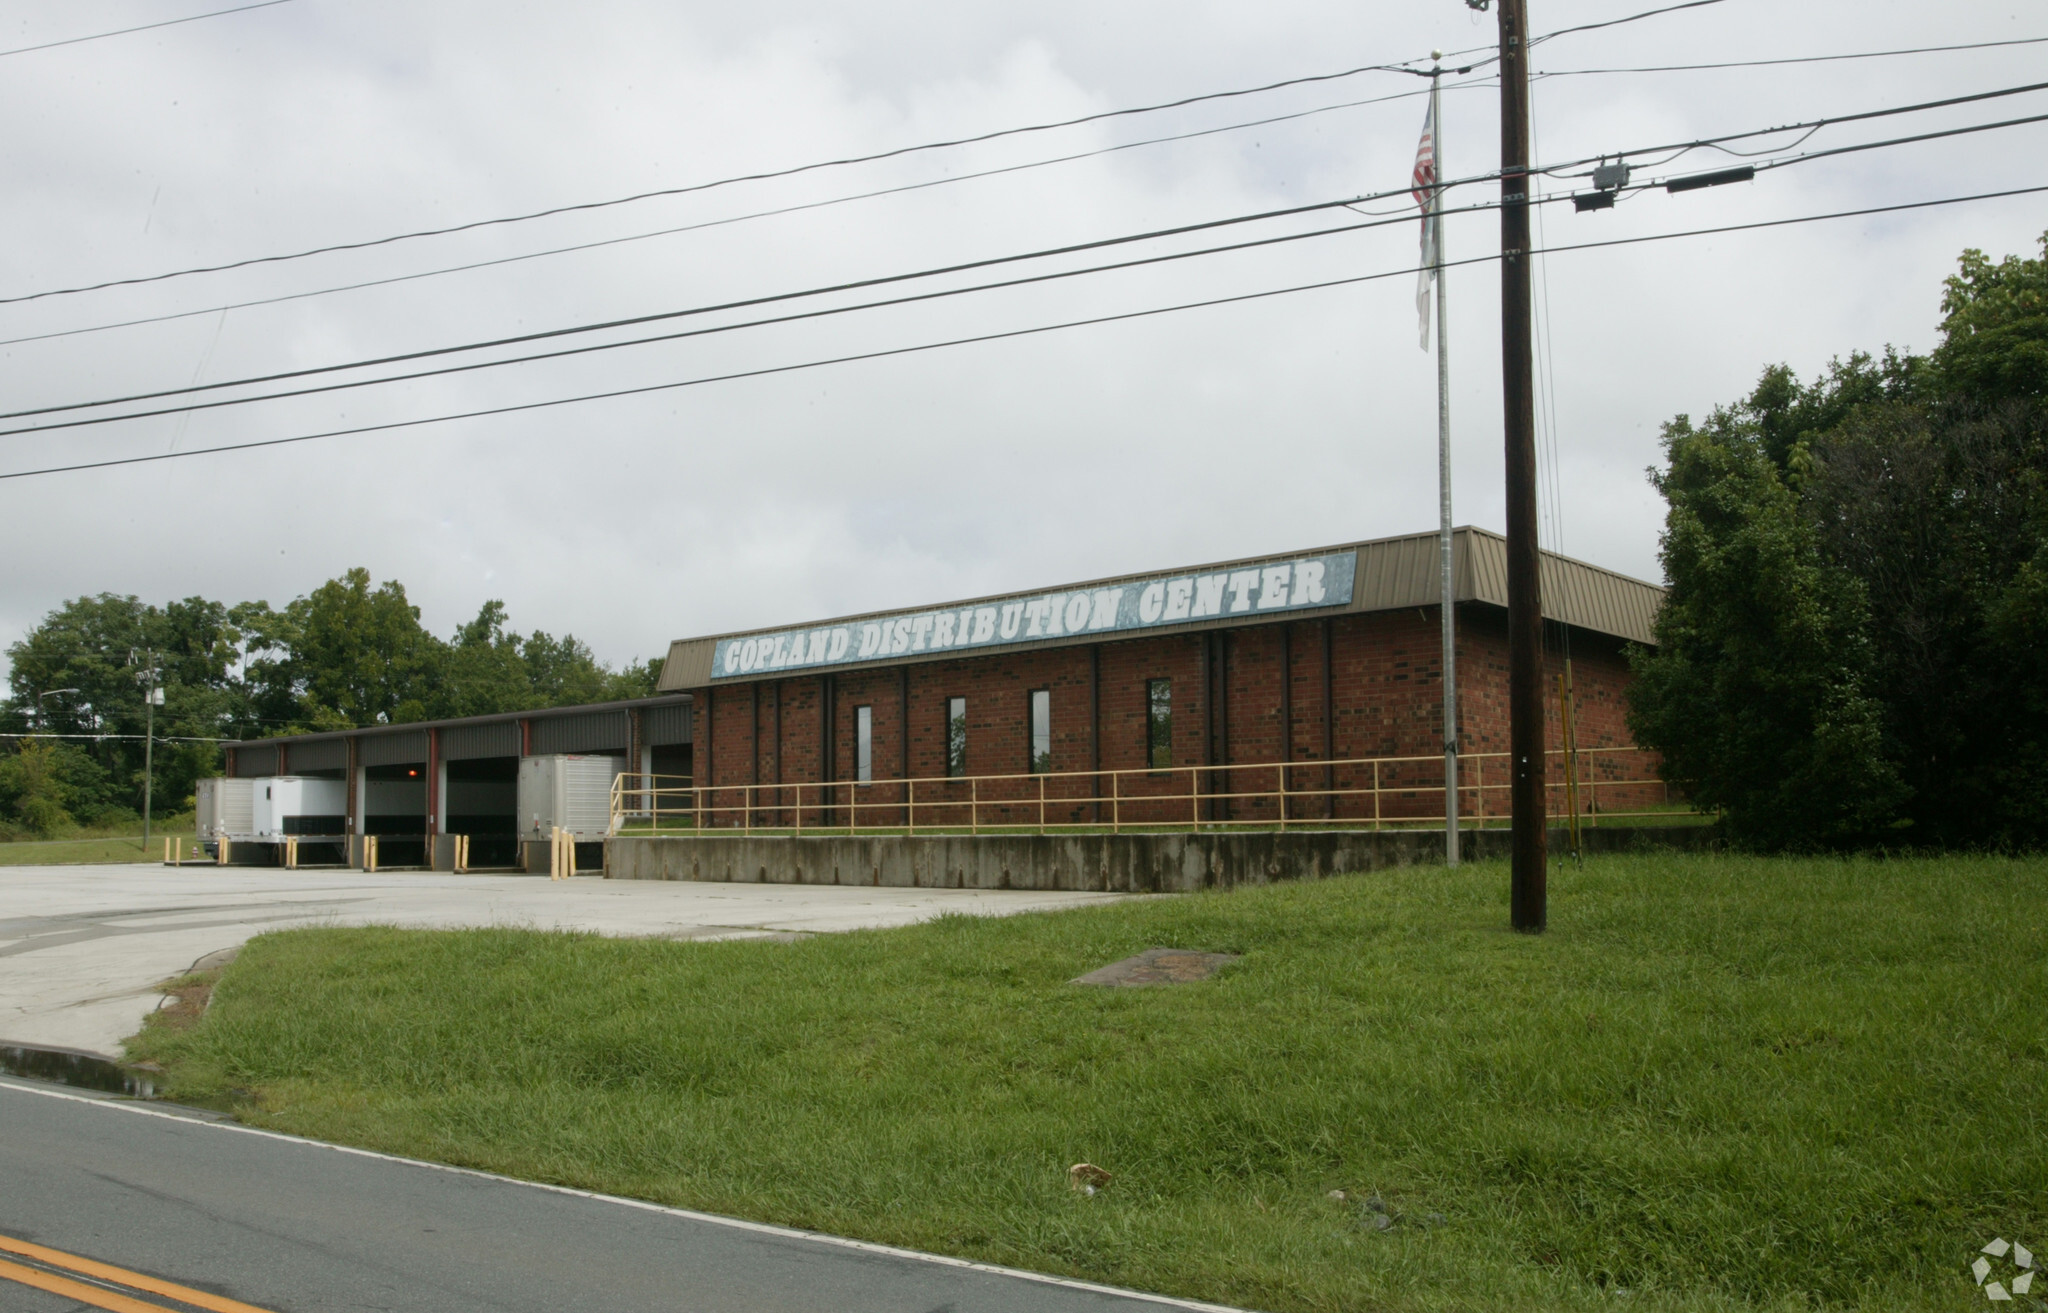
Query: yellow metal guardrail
pixel 1600 784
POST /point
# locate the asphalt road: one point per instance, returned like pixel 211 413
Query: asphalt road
pixel 292 1226
pixel 83 947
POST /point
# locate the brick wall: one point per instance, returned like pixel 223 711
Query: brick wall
pixel 1242 699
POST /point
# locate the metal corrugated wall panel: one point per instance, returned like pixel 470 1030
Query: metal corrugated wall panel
pixel 589 731
pixel 665 726
pixel 392 749
pixel 253 761
pixel 1489 568
pixel 318 754
pixel 688 665
pixel 493 739
pixel 1398 572
pixel 1600 600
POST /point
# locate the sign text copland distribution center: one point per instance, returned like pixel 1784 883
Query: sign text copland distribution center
pixel 1306 581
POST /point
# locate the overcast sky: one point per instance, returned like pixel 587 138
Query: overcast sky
pixel 1265 426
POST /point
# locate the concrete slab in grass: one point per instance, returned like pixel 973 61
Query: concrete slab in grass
pixel 1159 966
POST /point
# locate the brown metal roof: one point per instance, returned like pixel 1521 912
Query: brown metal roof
pixel 1391 573
pixel 465 723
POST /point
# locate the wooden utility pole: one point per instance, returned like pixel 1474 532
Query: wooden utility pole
pixel 1518 396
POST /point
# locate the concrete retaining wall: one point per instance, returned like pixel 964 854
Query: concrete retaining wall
pixel 1124 863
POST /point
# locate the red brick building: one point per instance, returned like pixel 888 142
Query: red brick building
pixel 1192 685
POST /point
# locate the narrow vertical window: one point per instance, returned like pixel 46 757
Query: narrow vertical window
pixel 1041 731
pixel 956 736
pixel 863 744
pixel 1159 723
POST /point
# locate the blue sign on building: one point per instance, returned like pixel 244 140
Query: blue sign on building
pixel 1146 602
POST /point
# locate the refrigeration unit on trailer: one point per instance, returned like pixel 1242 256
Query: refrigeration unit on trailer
pixel 572 792
pixel 226 809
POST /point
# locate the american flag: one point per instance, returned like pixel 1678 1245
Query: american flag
pixel 1425 159
pixel 1424 191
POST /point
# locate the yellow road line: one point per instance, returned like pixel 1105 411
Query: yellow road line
pixel 78 1290
pixel 107 1272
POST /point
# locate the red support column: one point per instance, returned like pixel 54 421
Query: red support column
pixel 433 790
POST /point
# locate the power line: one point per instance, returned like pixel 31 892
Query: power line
pixel 966 177
pixel 1799 59
pixel 745 303
pixel 1396 66
pixel 697 187
pixel 1806 156
pixel 985 337
pixel 1810 126
pixel 743 324
pixel 146 27
pixel 739 218
pixel 1617 22
pixel 635 321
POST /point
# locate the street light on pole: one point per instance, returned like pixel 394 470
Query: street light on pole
pixel 153 697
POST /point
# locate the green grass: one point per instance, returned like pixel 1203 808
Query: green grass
pixel 121 843
pixel 1716 1083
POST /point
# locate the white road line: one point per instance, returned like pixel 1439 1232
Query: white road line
pixel 735 1223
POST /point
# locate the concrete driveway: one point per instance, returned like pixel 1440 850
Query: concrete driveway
pixel 82 947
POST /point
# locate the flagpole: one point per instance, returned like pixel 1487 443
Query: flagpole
pixel 1446 595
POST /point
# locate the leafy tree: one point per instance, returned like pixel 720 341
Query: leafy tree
pixel 347 654
pixel 354 655
pixel 490 669
pixel 1922 506
pixel 484 670
pixel 1787 414
pixel 1757 693
pixel 1859 590
pixel 1995 334
pixel 45 785
pixel 102 646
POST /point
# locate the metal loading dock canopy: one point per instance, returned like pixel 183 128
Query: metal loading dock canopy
pixel 1382 574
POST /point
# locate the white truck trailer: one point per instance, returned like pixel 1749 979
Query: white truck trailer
pixel 270 809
